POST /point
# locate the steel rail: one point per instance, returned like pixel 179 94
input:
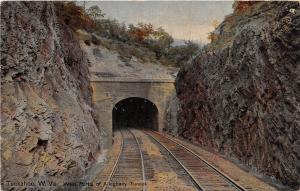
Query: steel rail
pixel 115 165
pixel 227 178
pixel 142 160
pixel 196 182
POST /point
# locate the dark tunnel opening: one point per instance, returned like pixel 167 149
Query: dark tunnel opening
pixel 135 113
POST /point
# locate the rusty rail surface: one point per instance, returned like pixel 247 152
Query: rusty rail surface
pixel 142 161
pixel 205 176
pixel 129 167
pixel 114 167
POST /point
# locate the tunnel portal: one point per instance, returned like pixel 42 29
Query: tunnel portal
pixel 135 112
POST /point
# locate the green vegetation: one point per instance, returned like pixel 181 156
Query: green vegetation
pixel 75 17
pixel 179 55
pixel 143 41
pixel 95 12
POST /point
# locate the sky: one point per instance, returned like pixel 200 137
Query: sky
pixel 185 20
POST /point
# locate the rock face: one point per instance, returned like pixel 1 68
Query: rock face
pixel 240 95
pixel 171 125
pixel 109 64
pixel 48 131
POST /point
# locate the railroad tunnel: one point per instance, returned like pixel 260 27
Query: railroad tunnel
pixel 135 112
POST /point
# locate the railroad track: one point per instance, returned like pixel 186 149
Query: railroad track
pixel 128 172
pixel 205 176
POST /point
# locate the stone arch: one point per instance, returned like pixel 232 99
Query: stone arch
pixel 135 112
pixel 106 94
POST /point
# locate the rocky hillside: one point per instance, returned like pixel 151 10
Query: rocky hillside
pixel 48 131
pixel 240 95
pixel 110 64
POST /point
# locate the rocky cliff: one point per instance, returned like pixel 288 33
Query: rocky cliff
pixel 240 95
pixel 47 131
pixel 171 125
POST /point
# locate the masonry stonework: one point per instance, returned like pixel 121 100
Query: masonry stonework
pixel 106 94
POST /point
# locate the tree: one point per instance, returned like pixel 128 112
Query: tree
pixel 164 39
pixel 95 12
pixel 215 23
pixel 212 37
pixel 141 32
pixel 191 48
pixel 242 6
pixel 179 55
pixel 73 15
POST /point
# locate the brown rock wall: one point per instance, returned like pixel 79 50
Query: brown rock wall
pixel 47 131
pixel 240 95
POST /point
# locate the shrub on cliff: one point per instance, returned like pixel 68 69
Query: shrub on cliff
pixel 179 55
pixel 242 6
pixel 74 16
pixel 95 12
